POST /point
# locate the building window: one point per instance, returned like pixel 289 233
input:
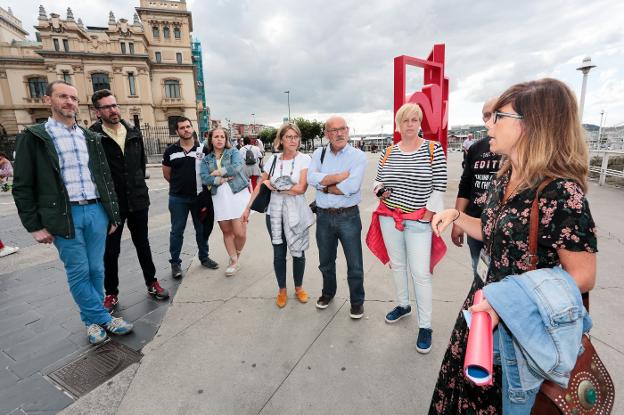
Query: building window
pixel 66 77
pixel 176 33
pixel 173 124
pixel 66 45
pixel 132 83
pixel 123 48
pixel 178 57
pixel 172 88
pixel 100 81
pixel 131 47
pixel 166 32
pixel 155 31
pixel 158 57
pixel 57 47
pixel 37 87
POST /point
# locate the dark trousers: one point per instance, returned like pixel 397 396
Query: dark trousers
pixel 347 228
pixel 137 224
pixel 279 261
pixel 179 208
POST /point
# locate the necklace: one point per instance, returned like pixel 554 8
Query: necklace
pixel 292 165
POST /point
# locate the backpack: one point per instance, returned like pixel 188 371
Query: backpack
pixel 250 158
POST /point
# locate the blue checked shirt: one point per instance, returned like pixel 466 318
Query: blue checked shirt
pixel 71 147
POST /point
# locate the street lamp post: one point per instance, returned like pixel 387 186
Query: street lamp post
pixel 585 67
pixel 253 126
pixel 600 130
pixel 288 95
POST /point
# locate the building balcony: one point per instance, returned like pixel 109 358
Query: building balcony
pixel 172 102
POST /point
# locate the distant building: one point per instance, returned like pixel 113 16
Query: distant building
pixel 147 63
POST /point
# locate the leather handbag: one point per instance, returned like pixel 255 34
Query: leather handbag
pixel 263 198
pixel 590 389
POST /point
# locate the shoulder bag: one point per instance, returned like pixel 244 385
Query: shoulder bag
pixel 261 202
pixel 590 390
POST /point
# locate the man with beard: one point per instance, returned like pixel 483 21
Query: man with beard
pixel 123 146
pixel 64 195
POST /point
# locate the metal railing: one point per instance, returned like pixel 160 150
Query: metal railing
pixel 156 139
pixel 603 170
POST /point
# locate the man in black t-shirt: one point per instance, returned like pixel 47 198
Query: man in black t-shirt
pixel 480 167
pixel 181 169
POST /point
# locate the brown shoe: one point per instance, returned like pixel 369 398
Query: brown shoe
pixel 281 299
pixel 302 296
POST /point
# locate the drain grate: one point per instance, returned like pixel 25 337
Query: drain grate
pixel 94 368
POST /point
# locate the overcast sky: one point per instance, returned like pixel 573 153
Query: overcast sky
pixel 337 56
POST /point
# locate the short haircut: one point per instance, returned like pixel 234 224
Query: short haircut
pixel 98 95
pixel 277 143
pixel 406 111
pixel 211 133
pixel 50 87
pixel 182 119
pixel 3 155
pixel 246 140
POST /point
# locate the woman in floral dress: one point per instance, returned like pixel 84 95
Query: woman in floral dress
pixel 535 126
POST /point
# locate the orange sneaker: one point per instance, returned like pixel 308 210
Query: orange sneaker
pixel 302 296
pixel 281 299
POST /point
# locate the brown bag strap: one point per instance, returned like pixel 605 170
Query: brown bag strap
pixel 534 226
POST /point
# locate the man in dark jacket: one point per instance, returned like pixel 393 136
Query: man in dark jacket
pixel 123 146
pixel 64 195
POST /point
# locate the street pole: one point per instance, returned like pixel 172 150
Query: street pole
pixel 288 95
pixel 253 126
pixel 600 130
pixel 585 67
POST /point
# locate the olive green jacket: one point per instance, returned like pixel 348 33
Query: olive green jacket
pixel 38 188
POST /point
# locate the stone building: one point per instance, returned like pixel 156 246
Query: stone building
pixel 146 62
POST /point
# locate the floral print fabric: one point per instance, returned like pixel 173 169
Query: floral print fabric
pixel 565 223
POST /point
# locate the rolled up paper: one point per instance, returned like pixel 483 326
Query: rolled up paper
pixel 479 357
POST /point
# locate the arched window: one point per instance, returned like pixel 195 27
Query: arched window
pixel 172 88
pixel 37 86
pixel 100 81
pixel 176 33
pixel 166 32
pixel 155 31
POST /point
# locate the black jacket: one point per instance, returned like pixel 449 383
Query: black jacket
pixel 127 168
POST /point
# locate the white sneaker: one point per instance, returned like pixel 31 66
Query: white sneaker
pixel 96 334
pixel 231 269
pixel 8 250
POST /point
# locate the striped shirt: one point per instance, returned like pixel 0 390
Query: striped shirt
pixel 71 147
pixel 416 180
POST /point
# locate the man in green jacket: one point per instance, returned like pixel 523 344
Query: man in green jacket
pixel 64 195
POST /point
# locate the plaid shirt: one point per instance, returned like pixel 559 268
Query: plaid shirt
pixel 73 157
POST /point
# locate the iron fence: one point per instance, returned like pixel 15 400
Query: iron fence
pixel 156 139
pixel 7 145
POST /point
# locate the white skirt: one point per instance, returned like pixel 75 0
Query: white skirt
pixel 229 205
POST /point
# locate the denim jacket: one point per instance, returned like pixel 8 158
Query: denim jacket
pixel 542 321
pixel 231 166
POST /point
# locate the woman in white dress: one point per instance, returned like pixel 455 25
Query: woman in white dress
pixel 222 171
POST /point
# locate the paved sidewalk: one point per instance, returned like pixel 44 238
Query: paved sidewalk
pixel 225 348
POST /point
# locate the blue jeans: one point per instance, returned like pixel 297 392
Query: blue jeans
pixel 410 255
pixel 179 208
pixel 279 261
pixel 475 250
pixel 346 228
pixel 83 258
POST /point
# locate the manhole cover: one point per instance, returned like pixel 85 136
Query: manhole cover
pixel 94 368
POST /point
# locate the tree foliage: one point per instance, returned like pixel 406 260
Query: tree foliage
pixel 309 130
pixel 267 136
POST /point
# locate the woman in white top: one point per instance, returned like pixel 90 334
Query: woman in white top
pixel 222 171
pixel 288 183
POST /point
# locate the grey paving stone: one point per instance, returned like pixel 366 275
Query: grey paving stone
pixel 142 334
pixel 7 378
pixel 140 309
pixel 34 394
pixel 155 317
pixel 41 359
pixel 10 324
pixel 38 344
pixel 16 336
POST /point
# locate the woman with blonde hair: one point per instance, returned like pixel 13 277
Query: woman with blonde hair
pixel 410 185
pixel 288 217
pixel 222 171
pixel 535 126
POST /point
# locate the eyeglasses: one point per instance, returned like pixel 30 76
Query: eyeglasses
pixel 499 114
pixel 337 130
pixel 65 97
pixel 486 116
pixel 108 107
pixel 291 137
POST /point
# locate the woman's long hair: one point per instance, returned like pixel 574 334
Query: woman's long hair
pixel 209 145
pixel 552 143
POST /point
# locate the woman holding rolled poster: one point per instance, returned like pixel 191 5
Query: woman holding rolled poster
pixel 535 126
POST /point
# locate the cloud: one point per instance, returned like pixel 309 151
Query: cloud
pixel 337 57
